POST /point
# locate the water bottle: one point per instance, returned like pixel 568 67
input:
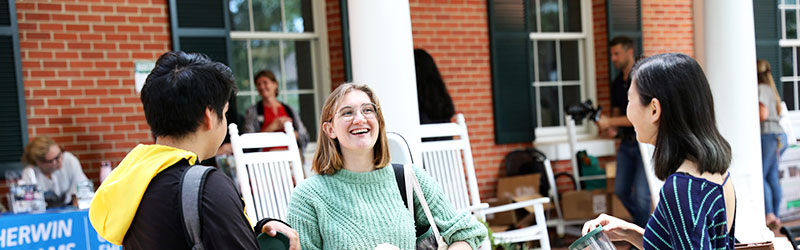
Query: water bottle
pixel 84 192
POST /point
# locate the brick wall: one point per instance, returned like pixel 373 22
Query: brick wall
pixel 335 42
pixel 667 26
pixel 599 19
pixel 78 65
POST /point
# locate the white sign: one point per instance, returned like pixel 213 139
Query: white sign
pixel 143 69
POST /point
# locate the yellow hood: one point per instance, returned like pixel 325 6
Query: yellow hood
pixel 117 199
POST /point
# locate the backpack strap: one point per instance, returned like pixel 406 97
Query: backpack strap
pixel 399 177
pixel 191 187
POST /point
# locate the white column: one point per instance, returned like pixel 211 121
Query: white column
pixel 381 48
pixel 730 64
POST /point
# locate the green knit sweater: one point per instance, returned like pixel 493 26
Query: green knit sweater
pixel 351 210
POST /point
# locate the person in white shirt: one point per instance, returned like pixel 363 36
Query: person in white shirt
pixel 55 172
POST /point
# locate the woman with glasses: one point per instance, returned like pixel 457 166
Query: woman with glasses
pixel 354 201
pixel 54 171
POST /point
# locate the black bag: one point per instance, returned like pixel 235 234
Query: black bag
pixel 528 161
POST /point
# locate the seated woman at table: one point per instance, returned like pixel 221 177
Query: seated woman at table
pixel 54 171
pixel 354 201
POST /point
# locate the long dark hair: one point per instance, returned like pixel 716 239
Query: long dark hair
pixel 432 96
pixel 687 128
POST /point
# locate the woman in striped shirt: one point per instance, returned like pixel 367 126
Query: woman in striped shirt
pixel 671 107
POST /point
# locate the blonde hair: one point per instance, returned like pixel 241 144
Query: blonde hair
pixel 765 77
pixel 37 150
pixel 328 158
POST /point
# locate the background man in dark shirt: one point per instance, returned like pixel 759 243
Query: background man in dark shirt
pixel 138 205
pixel 631 183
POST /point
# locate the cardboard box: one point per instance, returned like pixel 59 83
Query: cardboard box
pixel 501 219
pixel 547 206
pixel 523 185
pixel 584 204
pixel 618 210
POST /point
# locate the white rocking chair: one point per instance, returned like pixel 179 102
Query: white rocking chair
pixel 267 178
pixel 449 162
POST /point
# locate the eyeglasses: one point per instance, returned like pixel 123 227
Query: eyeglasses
pixel 368 110
pixel 55 159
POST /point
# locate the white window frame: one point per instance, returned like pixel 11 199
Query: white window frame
pixel 319 54
pixel 586 72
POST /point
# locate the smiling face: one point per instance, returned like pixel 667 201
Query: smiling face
pixel 266 88
pixel 354 125
pixel 51 161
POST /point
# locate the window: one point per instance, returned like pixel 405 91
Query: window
pixel 789 69
pixel 559 77
pixel 278 35
pixel 14 135
pixel 542 61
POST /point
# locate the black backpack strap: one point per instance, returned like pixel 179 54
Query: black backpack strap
pixel 191 195
pixel 399 177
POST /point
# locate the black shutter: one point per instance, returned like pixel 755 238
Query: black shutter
pixel 767 24
pixel 203 26
pixel 512 94
pixel 624 19
pixel 13 121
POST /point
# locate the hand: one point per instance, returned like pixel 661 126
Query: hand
pixel 277 124
pixel 272 227
pixel 604 123
pixel 616 229
pixel 386 246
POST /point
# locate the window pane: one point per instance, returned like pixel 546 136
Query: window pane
pixel 307 114
pixel 796 62
pixel 787 62
pixel 549 105
pixel 240 14
pixel 546 55
pixel 243 102
pixel 267 15
pixel 570 64
pixel 572 15
pixel 788 95
pixel 549 13
pixel 790 1
pixel 239 66
pixel 266 55
pixel 298 16
pixel 572 96
pixel 298 61
pixel 791 24
pixel 532 16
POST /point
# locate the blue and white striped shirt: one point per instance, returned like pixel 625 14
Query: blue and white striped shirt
pixel 690 215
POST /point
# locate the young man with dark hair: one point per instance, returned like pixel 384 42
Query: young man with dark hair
pixel 631 182
pixel 139 205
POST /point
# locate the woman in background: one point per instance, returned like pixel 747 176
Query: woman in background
pixel 435 104
pixel 55 172
pixel 269 114
pixel 773 141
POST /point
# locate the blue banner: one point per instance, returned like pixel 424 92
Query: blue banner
pixel 59 230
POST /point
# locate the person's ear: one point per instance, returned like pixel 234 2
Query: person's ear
pixel 327 127
pixel 208 118
pixel 655 110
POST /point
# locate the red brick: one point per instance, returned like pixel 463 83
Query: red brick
pixel 67 55
pixel 99 128
pixel 82 83
pixel 140 37
pixel 110 83
pixel 73 111
pixel 58 102
pixel 74 129
pixel 60 120
pixel 37 16
pixel 140 136
pixel 91 37
pixel 70 92
pixel 151 10
pixel 63 17
pixel 100 146
pixel 118 55
pixel 51 27
pixel 78 45
pixel 35 36
pixel 116 37
pixel 52 45
pixel 76 7
pixel 37 54
pixel 130 46
pixel 89 18
pixel 97 92
pixel 95 55
pixel 139 19
pixel 128 29
pixel 36 121
pixel 114 19
pixel 45 111
pixel 104 46
pixel 105 64
pixel 110 137
pixel 49 6
pixel 88 138
pixel 75 148
pixel 65 36
pixel 77 27
pixel 68 73
pixel 102 8
pixel 48 130
pixel 153 28
pixel 111 119
pixel 55 83
pixel 125 91
pixel 126 9
pixel 31 64
pixel 85 120
pixel 85 101
pixel 94 73
pixel 98 110
pixel 45 92
pixel 112 100
pixel 103 28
